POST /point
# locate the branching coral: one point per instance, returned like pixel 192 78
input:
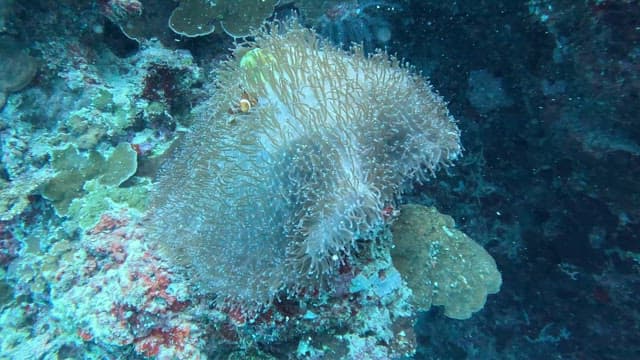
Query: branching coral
pixel 272 198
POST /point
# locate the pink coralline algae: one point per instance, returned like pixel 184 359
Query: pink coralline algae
pixel 133 299
pixel 110 292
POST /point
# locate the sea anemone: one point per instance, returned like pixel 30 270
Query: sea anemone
pixel 274 198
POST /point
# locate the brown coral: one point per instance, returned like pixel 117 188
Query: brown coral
pixel 442 265
pixel 237 18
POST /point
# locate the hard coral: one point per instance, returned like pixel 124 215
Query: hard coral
pixel 238 18
pixel 274 198
pixel 442 265
pixel 75 168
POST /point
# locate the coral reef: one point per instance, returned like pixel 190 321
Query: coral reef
pixel 73 169
pixel 343 22
pixel 546 91
pixel 347 22
pixel 17 68
pixel 144 20
pixel 109 292
pixel 237 18
pixel 94 296
pixel 140 20
pixel 194 18
pixel 56 137
pixel 283 189
pixel 442 265
pixel 14 195
pixel 81 271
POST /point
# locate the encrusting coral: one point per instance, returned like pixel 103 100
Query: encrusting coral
pixel 294 160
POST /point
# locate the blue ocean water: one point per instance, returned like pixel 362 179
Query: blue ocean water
pixel 96 98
